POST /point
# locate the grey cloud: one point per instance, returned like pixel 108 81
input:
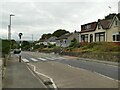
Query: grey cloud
pixel 44 17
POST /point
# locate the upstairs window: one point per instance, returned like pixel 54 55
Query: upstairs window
pixel 87 26
pixel 99 26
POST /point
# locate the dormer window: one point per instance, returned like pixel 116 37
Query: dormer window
pixel 87 26
pixel 99 26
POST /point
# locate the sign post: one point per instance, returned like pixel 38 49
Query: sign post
pixel 20 36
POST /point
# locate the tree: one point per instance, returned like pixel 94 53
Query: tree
pixel 14 44
pixel 74 43
pixel 45 36
pixel 26 45
pixel 5 47
pixel 60 32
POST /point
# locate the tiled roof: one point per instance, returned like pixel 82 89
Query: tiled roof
pixel 105 23
pixel 118 15
pixel 93 27
pixel 65 36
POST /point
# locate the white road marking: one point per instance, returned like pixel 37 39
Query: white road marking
pixel 106 76
pixel 43 59
pixel 35 76
pixel 61 58
pixel 55 87
pixel 35 60
pixel 95 73
pixel 25 60
pixel 49 58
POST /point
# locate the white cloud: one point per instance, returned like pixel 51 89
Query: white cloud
pixel 33 17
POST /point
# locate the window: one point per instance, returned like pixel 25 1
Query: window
pixel 100 37
pixel 87 26
pixel 113 37
pixel 116 23
pixel 84 38
pixel 99 27
pixel 116 37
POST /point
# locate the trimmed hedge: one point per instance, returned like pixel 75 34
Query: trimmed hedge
pixel 5 47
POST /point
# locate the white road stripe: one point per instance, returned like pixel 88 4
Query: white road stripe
pixel 43 59
pixel 55 87
pixel 94 72
pixel 49 58
pixel 25 60
pixel 61 58
pixel 35 60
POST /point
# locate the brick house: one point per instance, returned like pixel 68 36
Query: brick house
pixel 104 30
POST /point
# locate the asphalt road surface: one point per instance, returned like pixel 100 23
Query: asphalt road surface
pixel 73 73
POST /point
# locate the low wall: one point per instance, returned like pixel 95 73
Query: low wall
pixel 105 56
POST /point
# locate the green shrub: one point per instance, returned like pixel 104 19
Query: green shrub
pixel 5 47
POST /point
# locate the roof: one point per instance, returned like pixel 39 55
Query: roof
pixel 105 23
pixel 93 27
pixel 118 15
pixel 52 39
pixel 65 36
pixel 110 16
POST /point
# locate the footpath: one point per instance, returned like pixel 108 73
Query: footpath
pixel 17 75
pixel 0 73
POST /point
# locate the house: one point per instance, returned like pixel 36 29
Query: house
pixel 51 40
pixel 104 30
pixel 65 40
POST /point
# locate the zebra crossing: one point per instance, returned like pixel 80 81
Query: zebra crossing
pixel 27 60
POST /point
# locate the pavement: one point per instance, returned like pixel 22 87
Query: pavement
pixel 0 73
pixel 17 75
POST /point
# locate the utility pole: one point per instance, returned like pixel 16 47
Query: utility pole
pixel 9 34
pixel 32 41
pixel 20 36
pixel 109 8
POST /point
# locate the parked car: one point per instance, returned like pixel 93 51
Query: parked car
pixel 16 51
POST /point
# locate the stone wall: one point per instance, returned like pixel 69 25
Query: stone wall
pixel 105 56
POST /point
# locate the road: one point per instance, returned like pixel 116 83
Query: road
pixel 72 73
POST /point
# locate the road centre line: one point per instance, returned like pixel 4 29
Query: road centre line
pixel 34 68
pixel 94 72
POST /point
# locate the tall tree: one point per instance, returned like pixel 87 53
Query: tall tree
pixel 60 32
pixel 45 36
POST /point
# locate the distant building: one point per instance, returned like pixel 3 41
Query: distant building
pixel 105 30
pixel 65 40
pixel 51 40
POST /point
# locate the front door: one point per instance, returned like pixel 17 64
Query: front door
pixel 91 38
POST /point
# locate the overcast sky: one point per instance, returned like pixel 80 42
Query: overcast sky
pixel 38 17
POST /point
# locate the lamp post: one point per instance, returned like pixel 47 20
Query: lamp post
pixel 20 36
pixel 9 33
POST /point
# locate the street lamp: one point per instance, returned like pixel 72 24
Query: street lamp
pixel 9 26
pixel 9 33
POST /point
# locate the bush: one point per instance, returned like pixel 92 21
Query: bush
pixel 51 45
pixel 5 47
pixel 74 43
pixel 101 47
